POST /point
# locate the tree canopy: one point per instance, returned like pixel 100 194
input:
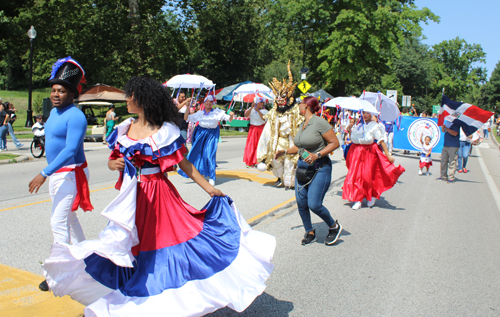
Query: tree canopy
pixel 349 46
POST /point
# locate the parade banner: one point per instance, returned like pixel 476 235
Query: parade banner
pixel 407 136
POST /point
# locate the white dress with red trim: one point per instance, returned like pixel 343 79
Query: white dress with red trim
pixel 159 256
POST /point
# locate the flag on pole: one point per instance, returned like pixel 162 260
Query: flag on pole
pixel 468 116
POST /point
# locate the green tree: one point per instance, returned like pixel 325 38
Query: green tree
pixel 413 68
pixel 492 90
pixel 222 38
pixel 111 41
pixel 342 40
pixel 454 67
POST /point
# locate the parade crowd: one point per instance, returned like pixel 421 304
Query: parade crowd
pixel 160 252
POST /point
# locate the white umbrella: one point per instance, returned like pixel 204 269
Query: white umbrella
pixel 388 108
pixel 252 88
pixel 352 103
pixel 335 102
pixel 189 82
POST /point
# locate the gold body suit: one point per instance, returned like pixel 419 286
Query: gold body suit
pixel 282 125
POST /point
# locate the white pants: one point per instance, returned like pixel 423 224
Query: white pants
pixel 390 140
pixel 65 225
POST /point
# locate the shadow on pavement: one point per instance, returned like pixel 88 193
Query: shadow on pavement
pixel 381 203
pixel 264 305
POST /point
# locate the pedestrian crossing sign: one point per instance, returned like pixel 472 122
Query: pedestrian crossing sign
pixel 304 86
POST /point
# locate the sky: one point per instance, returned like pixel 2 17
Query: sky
pixel 477 22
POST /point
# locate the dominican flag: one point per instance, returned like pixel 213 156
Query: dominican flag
pixel 468 116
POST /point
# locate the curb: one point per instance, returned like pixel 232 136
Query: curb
pixel 494 138
pixel 20 158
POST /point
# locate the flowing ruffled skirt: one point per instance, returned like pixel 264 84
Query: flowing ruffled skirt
pixel 369 173
pixel 175 261
pixel 204 151
pixel 250 154
pixel 424 164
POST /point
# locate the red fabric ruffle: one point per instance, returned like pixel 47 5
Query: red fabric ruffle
pixel 250 154
pixel 369 173
pixel 163 218
pixel 425 164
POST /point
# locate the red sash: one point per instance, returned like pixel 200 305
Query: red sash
pixel 82 187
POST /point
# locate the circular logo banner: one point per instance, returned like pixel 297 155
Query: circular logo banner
pixel 425 127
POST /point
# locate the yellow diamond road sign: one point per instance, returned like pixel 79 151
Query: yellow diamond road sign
pixel 304 86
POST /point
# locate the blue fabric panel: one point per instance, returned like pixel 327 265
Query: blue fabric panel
pixel 210 252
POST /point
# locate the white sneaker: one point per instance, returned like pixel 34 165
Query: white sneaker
pixel 371 202
pixel 357 205
pixel 211 182
pixel 419 172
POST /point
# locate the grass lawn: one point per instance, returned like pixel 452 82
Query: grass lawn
pixel 22 136
pixel 20 101
pixel 7 156
pixel 232 132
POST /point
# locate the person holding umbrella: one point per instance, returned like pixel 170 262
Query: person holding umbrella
pixel 205 139
pixel 256 113
pixel 370 172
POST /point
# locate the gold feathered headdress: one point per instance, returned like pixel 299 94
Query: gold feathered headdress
pixel 283 91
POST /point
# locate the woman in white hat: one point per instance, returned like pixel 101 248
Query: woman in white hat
pixel 370 172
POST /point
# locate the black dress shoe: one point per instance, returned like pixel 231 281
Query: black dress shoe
pixel 278 183
pixel 44 287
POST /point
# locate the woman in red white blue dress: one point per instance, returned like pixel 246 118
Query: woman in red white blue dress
pixel 370 171
pixel 159 256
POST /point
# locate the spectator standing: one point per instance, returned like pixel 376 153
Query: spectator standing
pixel 463 151
pixel 4 127
pixel 111 119
pixel 449 155
pixel 11 111
pixel 486 129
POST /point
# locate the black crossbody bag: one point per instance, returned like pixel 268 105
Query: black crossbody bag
pixel 305 176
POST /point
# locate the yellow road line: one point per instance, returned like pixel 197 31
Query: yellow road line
pixel 234 174
pixel 245 175
pixel 20 296
pixel 47 200
pixel 270 210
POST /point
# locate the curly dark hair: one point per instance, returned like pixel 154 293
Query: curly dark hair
pixel 154 98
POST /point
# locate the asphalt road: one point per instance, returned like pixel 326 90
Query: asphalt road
pixel 427 248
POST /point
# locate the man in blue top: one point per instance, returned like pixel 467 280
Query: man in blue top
pixel 449 155
pixel 67 167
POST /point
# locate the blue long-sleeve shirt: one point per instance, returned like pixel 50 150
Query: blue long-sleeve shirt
pixel 64 133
